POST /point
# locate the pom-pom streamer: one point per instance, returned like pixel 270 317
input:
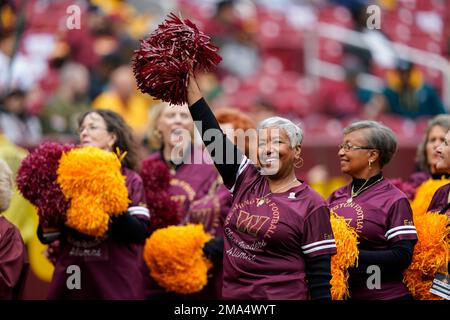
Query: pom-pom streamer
pixel 175 258
pixel 91 179
pixel 163 61
pixel 156 177
pixel 431 254
pixel 345 257
pixel 424 195
pixel 36 180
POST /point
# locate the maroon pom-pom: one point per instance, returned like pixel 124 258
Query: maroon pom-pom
pixel 156 178
pixel 163 61
pixel 36 180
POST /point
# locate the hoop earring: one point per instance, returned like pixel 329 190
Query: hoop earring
pixel 370 164
pixel 299 163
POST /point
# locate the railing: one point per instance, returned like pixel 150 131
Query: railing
pixel 317 68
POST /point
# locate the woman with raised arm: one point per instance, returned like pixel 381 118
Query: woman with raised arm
pixel 379 212
pixel 278 239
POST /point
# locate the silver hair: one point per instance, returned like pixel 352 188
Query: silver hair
pixel 380 137
pixel 294 132
pixel 6 185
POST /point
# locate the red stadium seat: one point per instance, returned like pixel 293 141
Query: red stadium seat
pixel 330 51
pixel 336 15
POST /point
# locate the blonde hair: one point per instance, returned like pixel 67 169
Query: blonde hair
pixel 154 137
pixel 6 186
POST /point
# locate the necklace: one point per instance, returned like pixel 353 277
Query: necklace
pixel 262 200
pixel 356 193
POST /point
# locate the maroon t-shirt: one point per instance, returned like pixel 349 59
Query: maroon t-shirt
pixel 13 260
pixel 381 216
pixel 440 200
pixel 266 246
pixel 109 269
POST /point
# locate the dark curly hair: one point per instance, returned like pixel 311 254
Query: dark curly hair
pixel 125 139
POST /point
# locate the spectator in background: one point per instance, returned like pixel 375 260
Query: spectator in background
pixel 408 95
pixel 346 98
pixel 17 68
pixel 7 16
pixel 18 125
pixel 122 97
pixel 101 74
pixel 9 69
pixel 378 48
pixel 84 43
pixel 235 40
pixel 60 115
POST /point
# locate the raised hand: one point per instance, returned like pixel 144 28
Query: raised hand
pixel 193 91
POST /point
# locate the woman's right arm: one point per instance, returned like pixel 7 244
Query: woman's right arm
pixel 226 156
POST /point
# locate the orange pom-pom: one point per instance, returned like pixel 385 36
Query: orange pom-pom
pixel 425 193
pixel 347 256
pixel 175 258
pixel 91 179
pixel 431 254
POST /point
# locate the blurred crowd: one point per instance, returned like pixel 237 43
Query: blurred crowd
pixel 59 58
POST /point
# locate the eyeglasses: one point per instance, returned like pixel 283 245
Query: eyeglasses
pixel 90 128
pixel 347 147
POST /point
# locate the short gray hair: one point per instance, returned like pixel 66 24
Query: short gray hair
pixel 380 137
pixel 294 132
pixel 443 121
pixel 6 185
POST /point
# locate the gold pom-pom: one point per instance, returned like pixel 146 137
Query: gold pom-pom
pixel 424 195
pixel 175 258
pixel 91 179
pixel 346 256
pixel 431 254
pixel 87 218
